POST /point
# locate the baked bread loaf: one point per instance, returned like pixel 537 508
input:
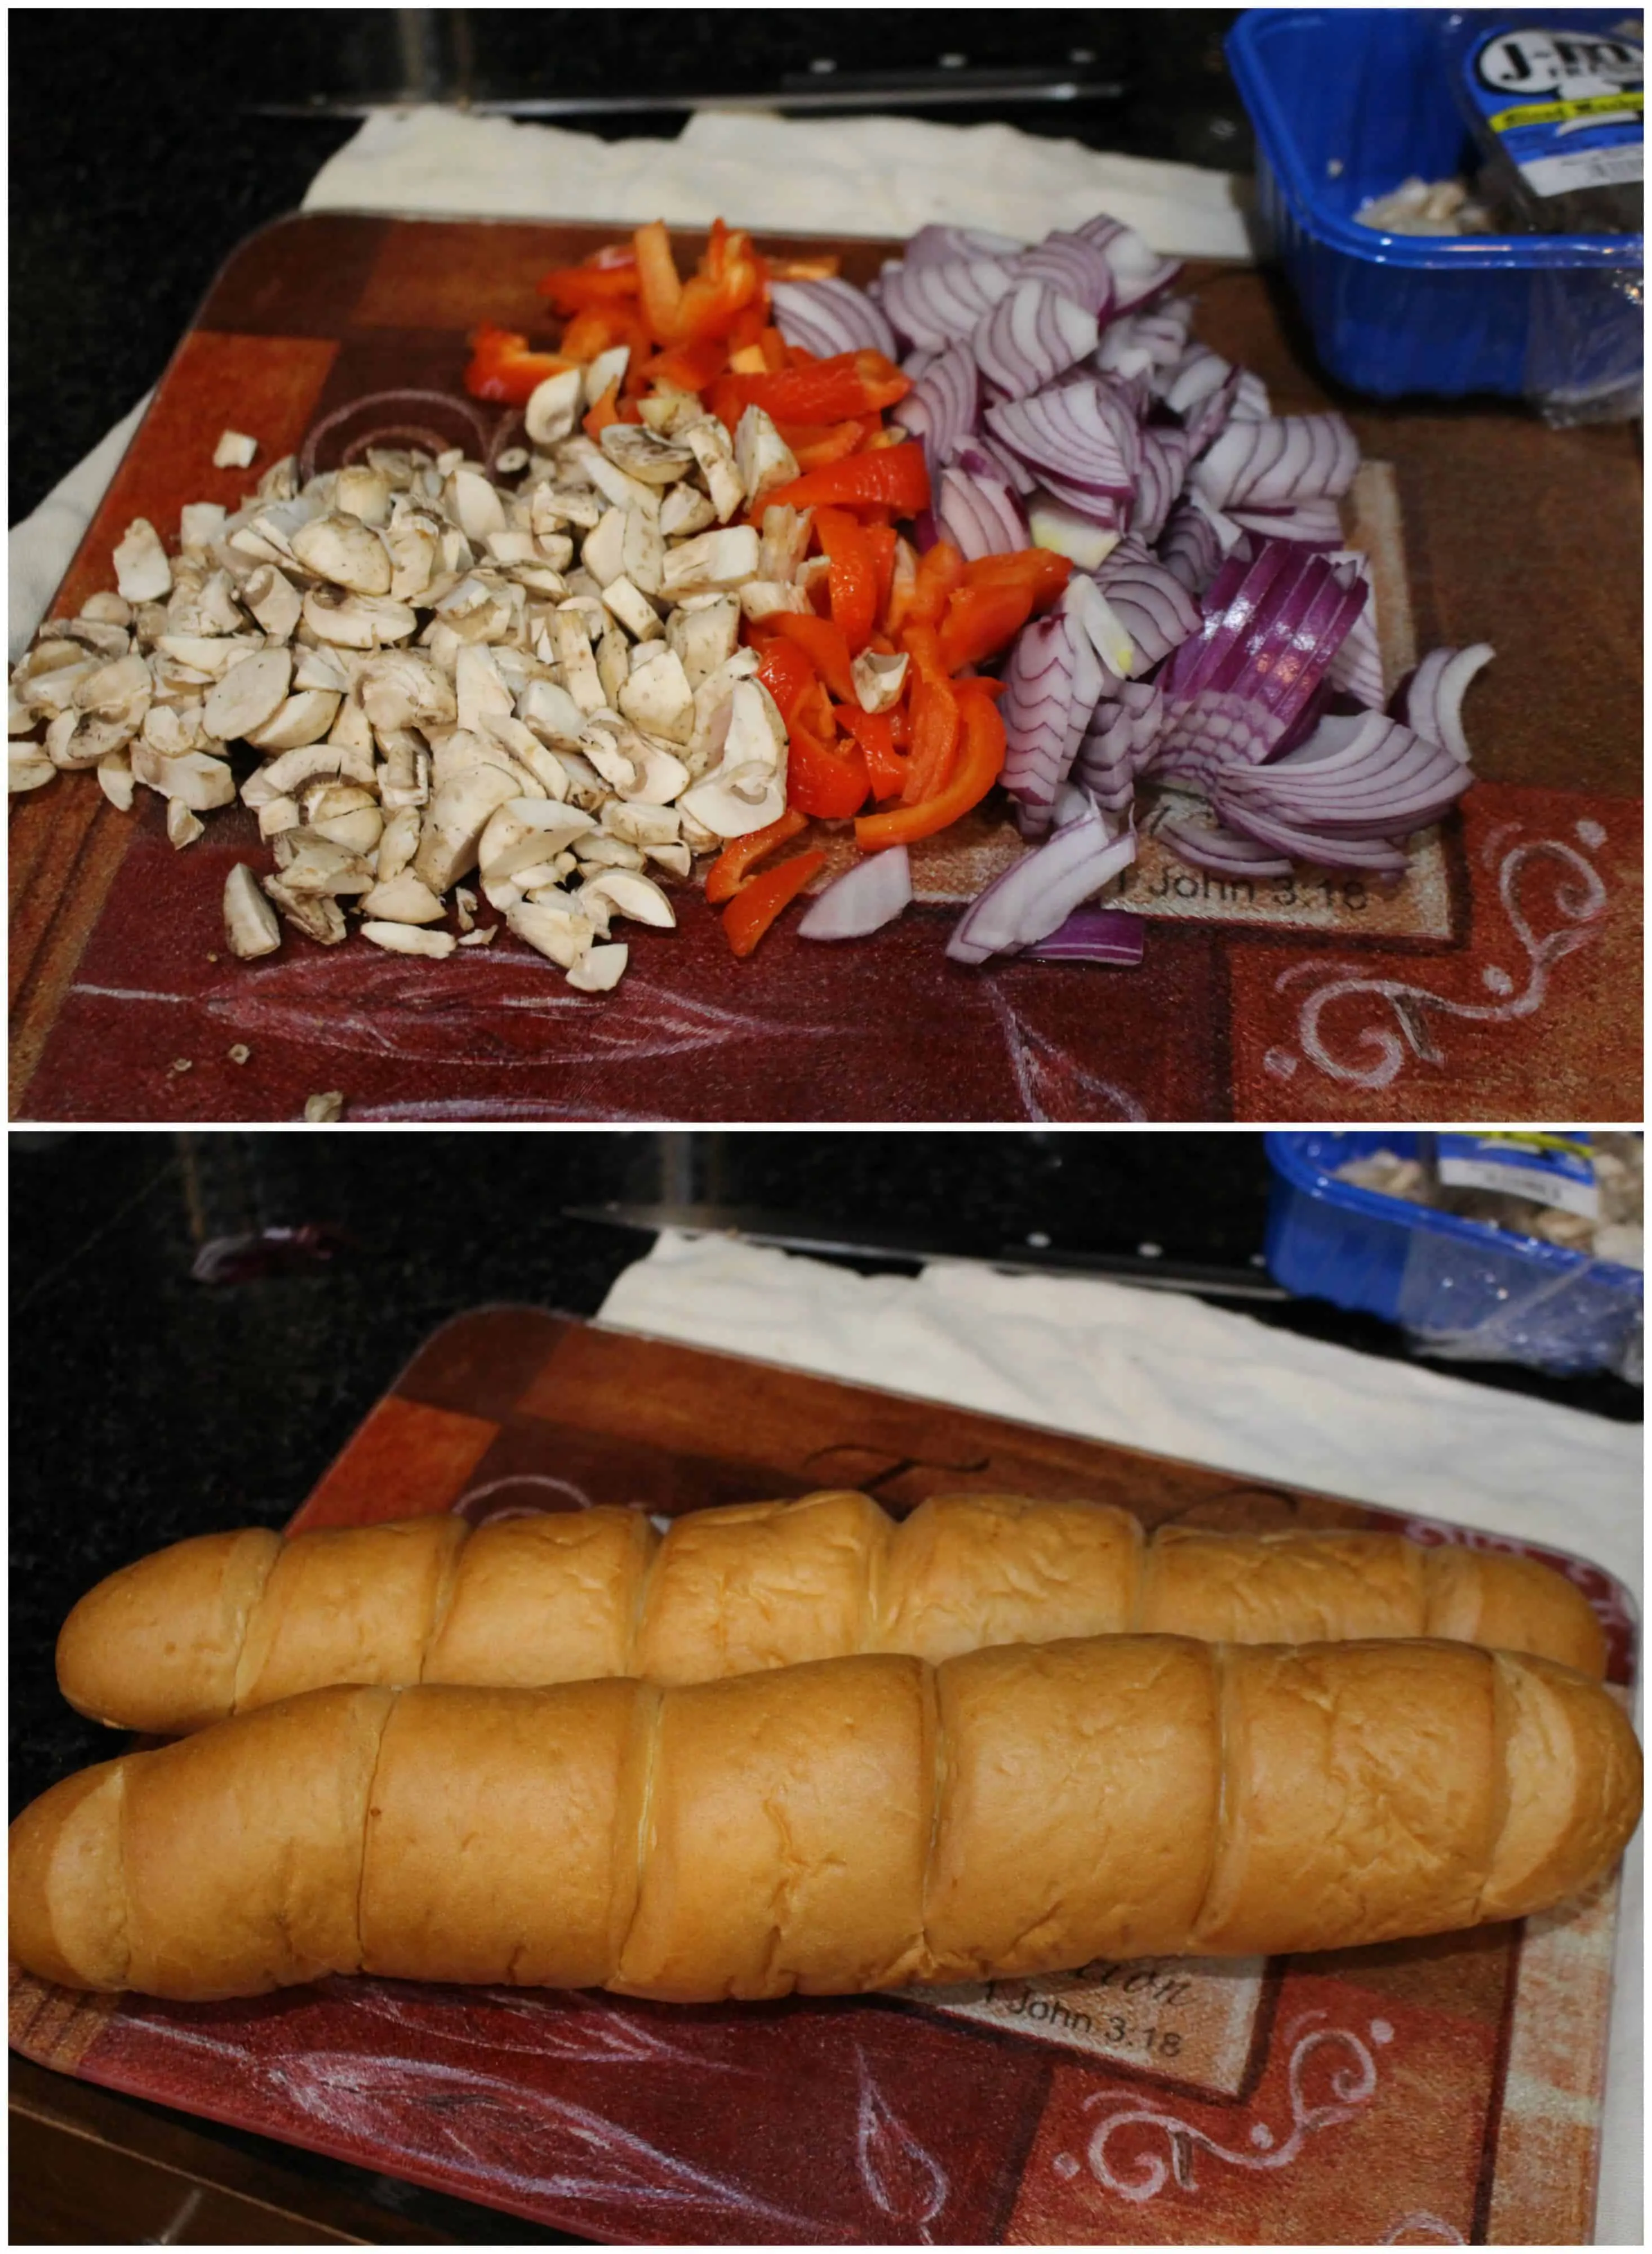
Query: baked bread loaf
pixel 228 1622
pixel 849 1824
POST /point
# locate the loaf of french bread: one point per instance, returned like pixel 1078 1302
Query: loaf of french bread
pixel 228 1622
pixel 849 1824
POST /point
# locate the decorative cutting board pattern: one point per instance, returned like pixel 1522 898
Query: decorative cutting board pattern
pixel 1503 981
pixel 1445 2091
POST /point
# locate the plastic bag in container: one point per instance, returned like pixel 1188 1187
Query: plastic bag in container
pixel 1485 1248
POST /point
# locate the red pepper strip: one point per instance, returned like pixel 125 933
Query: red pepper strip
pixel 774 348
pixel 599 326
pixel 822 268
pixel 894 478
pixel 939 571
pixel 817 444
pixel 829 784
pixel 606 410
pixel 1039 568
pixel 936 726
pixel 875 733
pixel 730 869
pixel 686 367
pixel 572 289
pixel 749 915
pixel 922 645
pixel 980 620
pixel 880 538
pixel 784 670
pixel 980 763
pixel 731 280
pixel 853 577
pixel 658 281
pixel 848 383
pixel 746 332
pixel 827 651
pixel 501 366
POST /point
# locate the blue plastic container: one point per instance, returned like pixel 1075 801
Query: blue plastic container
pixel 1485 1292
pixel 1348 103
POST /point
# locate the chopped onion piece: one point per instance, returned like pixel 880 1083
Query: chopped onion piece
pixel 1036 896
pixel 1434 702
pixel 1094 936
pixel 1032 336
pixel 933 306
pixel 863 900
pixel 829 316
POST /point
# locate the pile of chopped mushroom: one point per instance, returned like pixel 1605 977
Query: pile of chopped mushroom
pixel 537 683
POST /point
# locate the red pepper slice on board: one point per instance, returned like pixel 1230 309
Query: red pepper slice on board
pixel 749 915
pixel 979 764
pixel 732 869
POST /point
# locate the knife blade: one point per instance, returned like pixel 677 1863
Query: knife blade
pixel 798 1233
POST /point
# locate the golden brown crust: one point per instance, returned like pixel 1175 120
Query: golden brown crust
pixel 968 1571
pixel 1294 1587
pixel 242 1847
pixel 1572 1797
pixel 492 1835
pixel 760 1584
pixel 545 1599
pixel 1360 1798
pixel 1079 1806
pixel 154 1646
pixel 788 1830
pixel 351 1604
pixel 67 1896
pixel 1510 1603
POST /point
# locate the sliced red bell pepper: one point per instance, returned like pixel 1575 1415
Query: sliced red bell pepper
pixel 602 413
pixel 822 641
pixel 881 539
pixel 784 668
pixel 572 289
pixel 894 478
pixel 659 283
pixel 831 784
pixel 853 577
pixel 684 368
pixel 774 348
pixel 599 326
pixel 817 444
pixel 979 764
pixel 980 620
pixel 848 383
pixel 1039 569
pixel 749 915
pixel 936 726
pixel 733 866
pixel 501 366
pixel 922 645
pixel 875 733
pixel 939 569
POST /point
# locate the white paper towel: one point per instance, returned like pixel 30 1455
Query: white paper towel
pixel 1168 1373
pixel 841 176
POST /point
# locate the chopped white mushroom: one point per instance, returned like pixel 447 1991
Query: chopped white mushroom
pixel 274 601
pixel 280 814
pixel 607 368
pixel 879 680
pixel 250 921
pixel 600 969
pixel 357 621
pixel 761 455
pixel 361 491
pixel 323 1110
pixel 454 821
pixel 117 780
pixel 200 782
pixel 304 717
pixel 310 863
pixel 27 768
pixel 199 523
pixel 762 598
pixel 659 698
pixel 248 695
pixel 346 552
pixel 109 609
pixel 316 915
pixel 712 563
pixel 644 454
pixel 713 451
pixel 558 931
pixel 234 451
pixel 183 827
pixel 407 938
pixel 685 510
pixel 142 571
pixel 553 407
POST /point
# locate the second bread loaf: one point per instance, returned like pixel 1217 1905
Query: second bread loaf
pixel 226 1623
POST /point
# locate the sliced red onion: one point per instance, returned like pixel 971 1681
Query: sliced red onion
pixel 936 245
pixel 1270 630
pixel 1250 398
pixel 1139 271
pixel 1158 612
pixel 1434 702
pixel 1211 730
pixel 1031 337
pixel 943 405
pixel 1189 546
pixel 920 358
pixel 1358 775
pixel 1154 340
pixel 829 316
pixel 994 451
pixel 1079 432
pixel 933 304
pixel 863 900
pixel 1282 459
pixel 1109 513
pixel 1118 743
pixel 1356 669
pixel 1221 851
pixel 1095 935
pixel 1377 857
pixel 1053 680
pixel 1197 376
pixel 1311 523
pixel 1035 897
pixel 1165 454
pixel 1231 538
pixel 980 516
pixel 1074 267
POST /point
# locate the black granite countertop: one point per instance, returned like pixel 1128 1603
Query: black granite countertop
pixel 146 1406
pixel 141 156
